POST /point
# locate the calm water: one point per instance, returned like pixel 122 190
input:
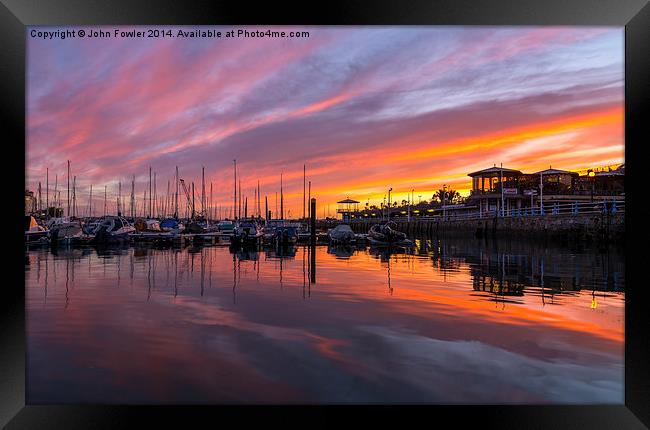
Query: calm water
pixel 457 321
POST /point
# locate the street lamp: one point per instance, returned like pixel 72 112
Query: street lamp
pixel 389 190
pixel 444 195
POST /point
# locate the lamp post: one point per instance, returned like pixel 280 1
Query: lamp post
pixel 444 198
pixel 541 195
pixel 502 200
pixel 389 190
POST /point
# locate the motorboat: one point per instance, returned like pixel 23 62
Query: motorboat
pixel 247 232
pixel 387 235
pixel 343 234
pixel 226 227
pixel 285 232
pixel 113 229
pixel 193 227
pixel 89 227
pixel 64 229
pixel 285 235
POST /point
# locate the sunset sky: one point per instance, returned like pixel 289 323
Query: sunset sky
pixel 365 108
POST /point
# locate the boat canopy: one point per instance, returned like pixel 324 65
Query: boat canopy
pixel 169 223
pixel 341 232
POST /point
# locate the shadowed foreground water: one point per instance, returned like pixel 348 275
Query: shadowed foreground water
pixel 455 321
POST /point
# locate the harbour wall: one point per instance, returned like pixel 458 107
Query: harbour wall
pixel 572 227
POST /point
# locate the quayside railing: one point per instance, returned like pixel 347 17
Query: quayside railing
pixel 564 209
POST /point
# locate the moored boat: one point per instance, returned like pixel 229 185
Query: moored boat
pixel 285 235
pixel 226 227
pixel 387 235
pixel 113 229
pixel 247 232
pixel 64 230
pixel 342 234
pixel 35 233
pixel 171 225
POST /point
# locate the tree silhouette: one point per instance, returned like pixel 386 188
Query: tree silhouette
pixel 446 196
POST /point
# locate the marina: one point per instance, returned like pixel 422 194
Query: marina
pixel 399 214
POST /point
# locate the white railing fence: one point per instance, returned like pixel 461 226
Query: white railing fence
pixel 605 208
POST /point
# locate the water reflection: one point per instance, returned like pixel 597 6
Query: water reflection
pixel 421 324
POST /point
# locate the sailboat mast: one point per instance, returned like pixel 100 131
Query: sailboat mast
pixel 259 203
pixel 90 202
pixel 281 199
pixel 74 196
pixel 203 191
pixel 176 197
pixel 154 196
pixel 47 190
pixel 56 202
pixel 234 203
pixel 149 216
pixel 68 187
pixel 133 198
pixel 304 177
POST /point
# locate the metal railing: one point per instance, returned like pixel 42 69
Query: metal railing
pixel 567 209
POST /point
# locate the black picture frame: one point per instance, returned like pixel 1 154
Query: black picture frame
pixel 15 15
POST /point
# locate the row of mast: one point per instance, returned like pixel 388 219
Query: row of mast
pixel 153 207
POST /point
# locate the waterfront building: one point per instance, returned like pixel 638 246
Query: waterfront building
pixel 494 188
pixel 550 190
pixel 610 182
pixel 550 186
pixel 30 202
pixel 555 181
